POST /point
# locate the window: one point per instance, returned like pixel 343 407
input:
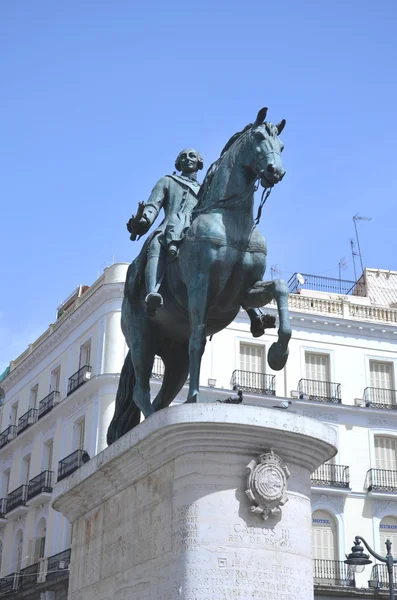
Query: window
pixel 1 557
pixel 324 536
pixel 17 553
pixel 14 414
pixel 382 382
pixel 78 434
pixel 387 530
pixel 252 358
pixel 25 470
pixel 55 380
pixel 85 354
pixel 48 455
pixel 386 453
pixel 317 366
pixel 33 396
pixel 6 483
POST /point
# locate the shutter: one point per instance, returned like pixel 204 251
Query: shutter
pixel 386 453
pixel 81 434
pixel 324 536
pixel 317 366
pixel 252 358
pixel 381 378
pixel 50 450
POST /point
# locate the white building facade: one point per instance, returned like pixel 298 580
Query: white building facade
pixel 59 399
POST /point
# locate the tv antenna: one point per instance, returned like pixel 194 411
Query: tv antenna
pixel 274 270
pixel 354 254
pixel 342 267
pixel 355 219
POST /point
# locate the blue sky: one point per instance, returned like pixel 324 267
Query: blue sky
pixel 99 96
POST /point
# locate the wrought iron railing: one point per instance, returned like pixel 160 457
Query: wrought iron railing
pixel 27 419
pixel 40 484
pixel 319 391
pixel 325 284
pixel 380 398
pixel 58 564
pixel 17 498
pixel 333 572
pixel 329 475
pixel 3 507
pixel 47 403
pixel 381 480
pixel 7 435
pixel 380 577
pixel 8 584
pixel 158 368
pixel 78 378
pixel 257 383
pixel 28 577
pixel 71 463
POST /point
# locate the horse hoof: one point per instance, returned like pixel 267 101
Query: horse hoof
pixel 277 357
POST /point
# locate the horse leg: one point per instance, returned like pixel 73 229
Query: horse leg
pixel 198 290
pixel 176 363
pixel 262 293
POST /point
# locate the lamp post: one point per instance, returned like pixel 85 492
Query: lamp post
pixel 357 559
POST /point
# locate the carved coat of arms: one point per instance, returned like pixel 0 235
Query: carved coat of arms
pixel 267 484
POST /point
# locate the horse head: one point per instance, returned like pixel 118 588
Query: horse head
pixel 262 150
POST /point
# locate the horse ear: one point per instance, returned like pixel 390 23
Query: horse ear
pixel 280 126
pixel 261 116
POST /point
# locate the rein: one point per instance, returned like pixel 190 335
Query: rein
pixel 253 187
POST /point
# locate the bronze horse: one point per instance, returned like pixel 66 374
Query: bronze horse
pixel 220 268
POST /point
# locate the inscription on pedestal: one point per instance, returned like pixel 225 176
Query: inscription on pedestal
pixel 241 580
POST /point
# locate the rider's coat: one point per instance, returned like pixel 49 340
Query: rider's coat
pixel 177 195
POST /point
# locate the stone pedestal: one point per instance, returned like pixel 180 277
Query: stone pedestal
pixel 163 513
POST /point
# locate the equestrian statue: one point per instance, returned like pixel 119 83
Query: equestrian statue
pixel 197 269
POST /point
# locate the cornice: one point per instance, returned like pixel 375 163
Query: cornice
pixel 104 294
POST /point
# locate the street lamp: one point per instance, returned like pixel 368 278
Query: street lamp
pixel 357 560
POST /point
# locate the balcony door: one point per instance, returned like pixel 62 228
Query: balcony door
pixel 318 374
pixel 324 533
pixel 382 382
pixel 386 453
pixel 252 358
pixel 388 530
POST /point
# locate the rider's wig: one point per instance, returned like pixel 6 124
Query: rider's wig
pixel 200 163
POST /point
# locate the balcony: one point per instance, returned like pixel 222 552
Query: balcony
pixel 28 577
pixel 319 391
pixel 3 509
pixel 71 463
pixel 380 398
pixel 329 285
pixel 329 475
pixel 78 378
pixel 26 420
pixel 256 383
pixel 16 501
pixel 48 403
pixel 8 435
pixel 333 572
pixel 380 577
pixel 381 480
pixel 40 488
pixel 8 585
pixel 58 564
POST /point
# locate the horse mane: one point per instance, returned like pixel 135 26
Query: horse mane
pixel 214 167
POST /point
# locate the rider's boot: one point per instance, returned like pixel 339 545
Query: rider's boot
pixel 153 299
pixel 260 321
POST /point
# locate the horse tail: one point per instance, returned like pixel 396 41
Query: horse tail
pixel 126 415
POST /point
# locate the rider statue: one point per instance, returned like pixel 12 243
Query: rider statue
pixel 177 194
